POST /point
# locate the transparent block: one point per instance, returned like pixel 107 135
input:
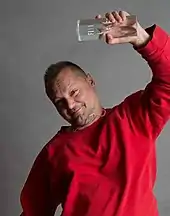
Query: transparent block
pixel 92 29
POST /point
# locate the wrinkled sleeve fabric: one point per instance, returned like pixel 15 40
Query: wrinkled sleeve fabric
pixel 36 196
pixel 148 110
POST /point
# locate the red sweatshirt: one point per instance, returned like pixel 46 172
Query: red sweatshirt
pixel 108 168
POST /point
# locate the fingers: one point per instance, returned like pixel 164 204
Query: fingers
pixel 115 16
pixel 123 15
pixel 110 17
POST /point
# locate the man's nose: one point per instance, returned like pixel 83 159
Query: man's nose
pixel 70 103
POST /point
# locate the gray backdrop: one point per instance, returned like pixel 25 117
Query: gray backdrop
pixel 34 34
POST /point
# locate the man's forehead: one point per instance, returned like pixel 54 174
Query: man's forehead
pixel 67 75
pixel 65 82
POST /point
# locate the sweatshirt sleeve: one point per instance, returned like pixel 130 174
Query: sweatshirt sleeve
pixel 148 110
pixel 36 196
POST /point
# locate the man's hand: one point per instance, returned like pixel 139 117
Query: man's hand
pixel 119 17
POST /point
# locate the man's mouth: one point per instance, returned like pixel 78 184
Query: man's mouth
pixel 77 111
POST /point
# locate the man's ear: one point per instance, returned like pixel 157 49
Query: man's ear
pixel 90 80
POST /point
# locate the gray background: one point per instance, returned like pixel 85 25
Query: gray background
pixel 34 34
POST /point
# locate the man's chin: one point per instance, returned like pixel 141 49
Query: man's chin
pixel 78 121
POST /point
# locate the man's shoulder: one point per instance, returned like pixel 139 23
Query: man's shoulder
pixel 58 137
pixel 130 99
pixel 53 146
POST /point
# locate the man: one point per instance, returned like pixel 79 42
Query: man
pixel 104 163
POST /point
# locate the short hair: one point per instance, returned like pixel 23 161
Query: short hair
pixel 54 70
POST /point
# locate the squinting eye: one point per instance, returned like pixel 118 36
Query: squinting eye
pixel 74 92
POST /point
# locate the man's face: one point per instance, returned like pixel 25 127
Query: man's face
pixel 74 97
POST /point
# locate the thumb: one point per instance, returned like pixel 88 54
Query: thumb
pixel 109 38
pixel 119 40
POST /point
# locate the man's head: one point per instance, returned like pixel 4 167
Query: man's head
pixel 72 91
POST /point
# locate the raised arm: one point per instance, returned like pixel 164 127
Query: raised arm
pixel 149 110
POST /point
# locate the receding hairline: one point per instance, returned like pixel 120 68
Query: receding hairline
pixel 73 70
pixel 54 70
